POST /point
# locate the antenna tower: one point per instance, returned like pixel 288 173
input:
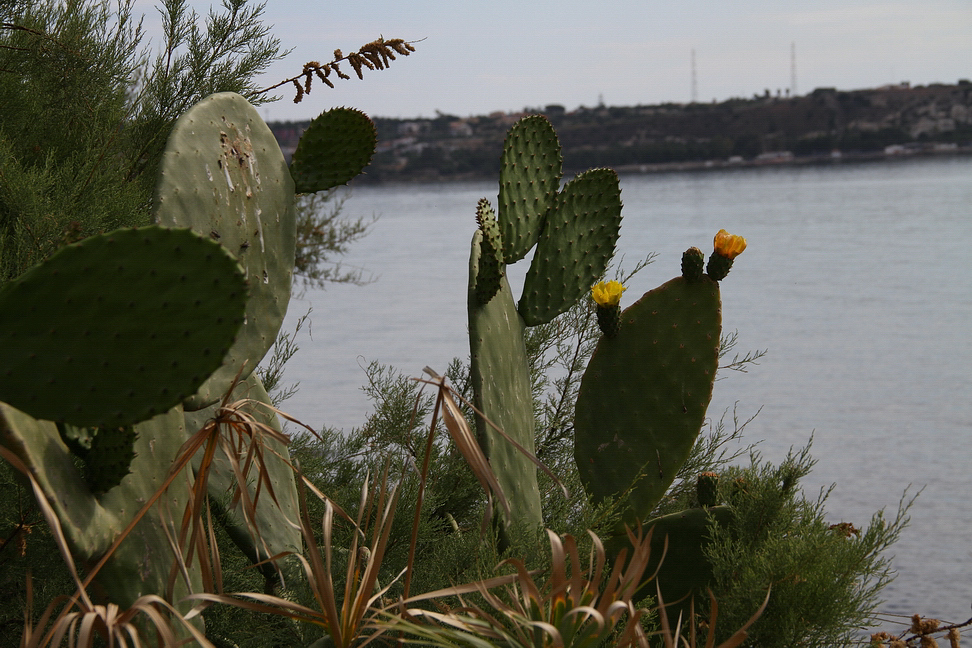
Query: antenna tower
pixel 695 82
pixel 793 84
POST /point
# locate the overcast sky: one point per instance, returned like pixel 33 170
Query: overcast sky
pixel 477 57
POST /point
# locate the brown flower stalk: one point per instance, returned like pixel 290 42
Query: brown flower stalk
pixel 376 55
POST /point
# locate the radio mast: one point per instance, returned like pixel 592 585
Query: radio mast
pixel 793 83
pixel 695 83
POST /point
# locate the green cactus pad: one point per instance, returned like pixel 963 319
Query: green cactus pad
pixel 530 171
pixel 503 392
pixel 578 241
pixel 707 489
pixel 693 262
pixel 119 327
pixel 609 319
pixel 643 397
pixel 276 522
pixel 91 523
pixel 336 146
pixel 718 266
pixel 491 266
pixel 223 176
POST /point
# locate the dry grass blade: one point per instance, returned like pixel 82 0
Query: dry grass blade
pixel 672 640
pixel 89 622
pixel 241 435
pixel 457 416
pixel 356 619
pixel 739 635
pixel 464 438
pixel 79 620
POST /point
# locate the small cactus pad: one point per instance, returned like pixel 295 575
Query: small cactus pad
pixel 223 176
pixel 578 241
pixel 530 171
pixel 336 146
pixel 707 488
pixel 609 319
pixel 491 266
pixel 503 392
pixel 643 397
pixel 718 266
pixel 119 327
pixel 693 262
pixel 141 565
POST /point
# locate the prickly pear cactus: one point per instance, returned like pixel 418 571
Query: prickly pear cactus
pixel 223 176
pixel 580 232
pixel 575 231
pixel 678 544
pixel 503 392
pixel 118 327
pixel 530 171
pixel 153 311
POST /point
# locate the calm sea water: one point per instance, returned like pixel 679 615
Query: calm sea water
pixel 857 281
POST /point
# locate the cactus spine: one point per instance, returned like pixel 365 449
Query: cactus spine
pixel 575 231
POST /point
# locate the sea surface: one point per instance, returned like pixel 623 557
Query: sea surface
pixel 857 282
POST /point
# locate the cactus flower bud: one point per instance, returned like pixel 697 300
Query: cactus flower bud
pixel 729 245
pixel 607 293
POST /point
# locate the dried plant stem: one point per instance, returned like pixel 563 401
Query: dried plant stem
pixel 375 55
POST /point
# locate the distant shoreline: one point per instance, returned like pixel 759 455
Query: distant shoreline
pixel 809 160
pixel 826 126
pixel 695 167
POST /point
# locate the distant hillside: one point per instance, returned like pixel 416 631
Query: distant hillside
pixel 824 125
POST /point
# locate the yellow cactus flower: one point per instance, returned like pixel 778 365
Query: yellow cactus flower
pixel 729 245
pixel 607 293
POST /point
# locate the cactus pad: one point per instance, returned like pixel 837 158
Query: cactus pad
pixel 223 176
pixel 503 392
pixel 119 327
pixel 142 562
pixel 336 146
pixel 491 266
pixel 643 398
pixel 530 171
pixel 693 261
pixel 579 237
pixel 684 570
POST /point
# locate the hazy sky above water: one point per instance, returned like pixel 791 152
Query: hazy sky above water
pixel 478 57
